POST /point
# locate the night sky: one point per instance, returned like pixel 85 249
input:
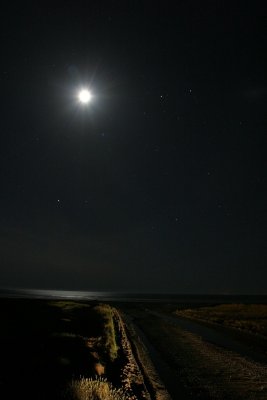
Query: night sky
pixel 159 183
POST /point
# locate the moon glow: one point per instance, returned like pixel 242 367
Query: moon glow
pixel 84 96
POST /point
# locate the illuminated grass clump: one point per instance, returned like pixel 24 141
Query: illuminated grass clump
pixel 94 389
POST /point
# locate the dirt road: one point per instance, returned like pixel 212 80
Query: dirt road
pixel 198 362
pixel 219 338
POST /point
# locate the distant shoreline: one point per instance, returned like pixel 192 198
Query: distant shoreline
pixel 131 297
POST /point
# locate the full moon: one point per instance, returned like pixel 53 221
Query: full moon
pixel 84 96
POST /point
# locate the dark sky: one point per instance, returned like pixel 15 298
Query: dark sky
pixel 159 184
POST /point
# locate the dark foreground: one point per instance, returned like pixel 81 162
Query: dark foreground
pixel 162 350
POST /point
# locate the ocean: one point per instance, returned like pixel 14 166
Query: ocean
pixel 132 297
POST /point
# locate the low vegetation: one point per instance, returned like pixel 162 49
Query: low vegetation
pixel 246 317
pixel 72 350
pixel 93 389
pixel 109 336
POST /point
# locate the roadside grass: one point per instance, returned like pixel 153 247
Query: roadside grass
pixel 109 336
pixel 68 305
pixel 246 317
pixel 93 389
